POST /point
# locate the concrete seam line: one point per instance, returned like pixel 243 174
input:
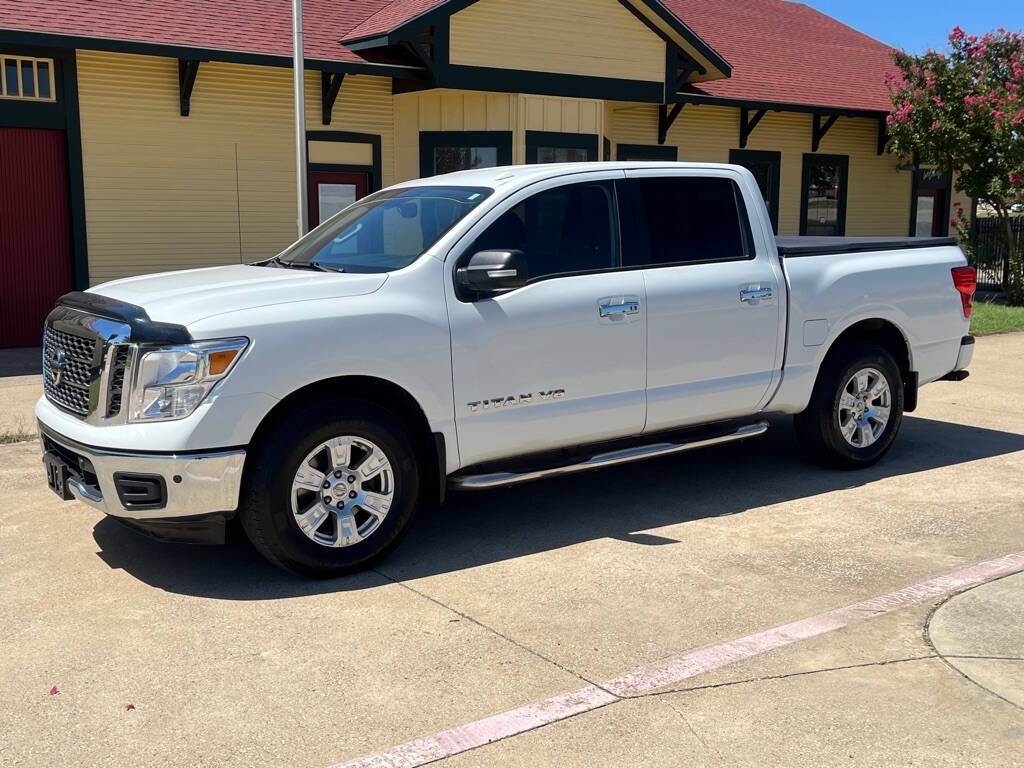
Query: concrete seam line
pixel 463 738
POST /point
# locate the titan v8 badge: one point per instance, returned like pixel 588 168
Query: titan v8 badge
pixel 512 401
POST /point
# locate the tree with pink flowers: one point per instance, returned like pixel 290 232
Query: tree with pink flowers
pixel 963 111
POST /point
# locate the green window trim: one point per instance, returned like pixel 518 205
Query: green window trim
pixel 843 163
pixel 537 139
pixel 656 152
pixel 500 141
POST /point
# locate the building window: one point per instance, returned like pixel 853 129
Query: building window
pixel 767 169
pixel 545 147
pixel 647 152
pixel 823 196
pixel 450 151
pixel 25 77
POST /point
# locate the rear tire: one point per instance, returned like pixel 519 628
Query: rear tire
pixel 331 488
pixel 856 409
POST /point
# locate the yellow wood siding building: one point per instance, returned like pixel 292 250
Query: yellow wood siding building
pixel 184 157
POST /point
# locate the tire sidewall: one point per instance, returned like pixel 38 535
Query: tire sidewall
pixel 274 470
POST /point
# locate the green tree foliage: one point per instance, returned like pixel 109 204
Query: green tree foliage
pixel 963 111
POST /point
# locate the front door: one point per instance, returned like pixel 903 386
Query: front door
pixel 560 361
pixel 35 244
pixel 333 191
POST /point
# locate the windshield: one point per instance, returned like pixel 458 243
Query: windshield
pixel 385 231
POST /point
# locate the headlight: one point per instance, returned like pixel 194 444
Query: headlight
pixel 170 382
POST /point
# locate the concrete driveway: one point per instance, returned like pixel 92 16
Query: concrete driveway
pixel 171 655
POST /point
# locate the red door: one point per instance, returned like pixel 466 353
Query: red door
pixel 35 243
pixel 331 191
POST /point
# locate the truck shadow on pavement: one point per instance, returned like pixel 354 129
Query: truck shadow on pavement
pixel 474 529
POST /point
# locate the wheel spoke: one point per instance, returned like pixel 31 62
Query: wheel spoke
pixel 867 434
pixel 347 532
pixel 862 380
pixel 341 452
pixel 308 478
pixel 847 401
pixel 372 465
pixel 311 520
pixel 880 388
pixel 849 429
pixel 880 413
pixel 377 504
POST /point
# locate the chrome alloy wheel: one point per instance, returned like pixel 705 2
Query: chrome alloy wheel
pixel 342 491
pixel 864 407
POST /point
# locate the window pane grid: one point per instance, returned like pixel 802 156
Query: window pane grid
pixel 27 78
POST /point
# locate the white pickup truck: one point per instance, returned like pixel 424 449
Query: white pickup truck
pixel 477 330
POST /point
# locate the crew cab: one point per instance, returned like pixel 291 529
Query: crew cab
pixel 482 329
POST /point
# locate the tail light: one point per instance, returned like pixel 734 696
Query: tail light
pixel 965 280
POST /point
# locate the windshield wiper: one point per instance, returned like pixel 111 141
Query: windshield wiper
pixel 325 267
pixel 314 266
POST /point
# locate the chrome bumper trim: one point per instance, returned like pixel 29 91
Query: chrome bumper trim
pixel 209 482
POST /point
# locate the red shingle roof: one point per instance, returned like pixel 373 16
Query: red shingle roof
pixel 781 52
pixel 789 53
pixel 390 16
pixel 250 26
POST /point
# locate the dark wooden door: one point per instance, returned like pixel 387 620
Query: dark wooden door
pixel 35 242
pixel 331 191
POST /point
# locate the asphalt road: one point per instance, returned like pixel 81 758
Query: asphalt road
pixel 510 597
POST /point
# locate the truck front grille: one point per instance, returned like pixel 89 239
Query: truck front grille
pixel 71 364
pixel 115 387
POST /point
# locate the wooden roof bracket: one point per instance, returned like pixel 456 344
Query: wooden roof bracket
pixel 330 86
pixel 666 118
pixel 187 71
pixel 820 129
pixel 748 124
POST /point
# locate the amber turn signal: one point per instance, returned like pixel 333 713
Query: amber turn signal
pixel 221 360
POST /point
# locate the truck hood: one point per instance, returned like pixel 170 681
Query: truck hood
pixel 195 294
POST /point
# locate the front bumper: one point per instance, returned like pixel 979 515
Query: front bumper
pixel 194 485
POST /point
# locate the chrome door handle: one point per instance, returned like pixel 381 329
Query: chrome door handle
pixel 613 310
pixel 756 294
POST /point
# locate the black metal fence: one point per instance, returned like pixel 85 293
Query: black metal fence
pixel 990 251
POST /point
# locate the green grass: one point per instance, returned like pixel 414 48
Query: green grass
pixel 7 438
pixel 988 318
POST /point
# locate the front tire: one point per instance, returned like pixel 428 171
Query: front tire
pixel 856 409
pixel 331 488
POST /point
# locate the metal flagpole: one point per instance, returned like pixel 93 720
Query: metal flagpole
pixel 301 188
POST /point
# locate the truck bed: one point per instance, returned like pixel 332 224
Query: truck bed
pixel 823 246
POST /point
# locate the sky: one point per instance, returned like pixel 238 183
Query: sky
pixel 916 25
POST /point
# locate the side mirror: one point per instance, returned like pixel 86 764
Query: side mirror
pixel 493 272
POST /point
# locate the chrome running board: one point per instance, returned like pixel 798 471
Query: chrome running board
pixel 502 479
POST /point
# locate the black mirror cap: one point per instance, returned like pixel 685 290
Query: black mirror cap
pixel 492 272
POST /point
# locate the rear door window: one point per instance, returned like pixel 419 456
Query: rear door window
pixel 683 219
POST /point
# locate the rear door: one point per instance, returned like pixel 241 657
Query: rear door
pixel 714 304
pixel 560 361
